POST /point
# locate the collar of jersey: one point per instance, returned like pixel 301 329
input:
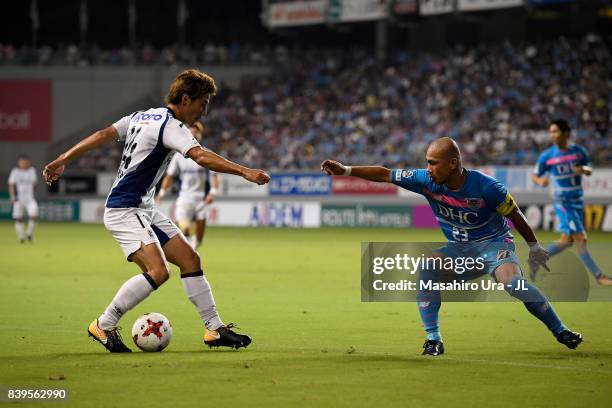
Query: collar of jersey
pixel 467 174
pixel 171 112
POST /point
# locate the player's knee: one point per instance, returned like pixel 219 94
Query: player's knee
pixel 581 245
pixel 506 273
pixel 192 261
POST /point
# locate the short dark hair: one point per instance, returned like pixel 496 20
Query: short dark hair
pixel 561 124
pixel 193 83
pixel 23 156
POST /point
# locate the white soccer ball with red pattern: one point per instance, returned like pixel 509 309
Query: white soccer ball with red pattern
pixel 152 332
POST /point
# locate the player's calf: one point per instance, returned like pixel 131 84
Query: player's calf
pixel 159 275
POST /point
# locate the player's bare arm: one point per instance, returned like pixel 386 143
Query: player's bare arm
pixel 537 254
pixel 12 192
pixel 373 173
pixel 214 181
pixel 541 181
pixel 54 170
pixel 211 160
pixel 584 170
pixel 165 185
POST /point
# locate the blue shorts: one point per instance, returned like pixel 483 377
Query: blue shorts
pixel 491 254
pixel 570 215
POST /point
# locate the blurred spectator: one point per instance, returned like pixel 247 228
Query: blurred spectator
pixel 496 100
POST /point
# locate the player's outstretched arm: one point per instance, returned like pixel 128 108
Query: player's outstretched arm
pixel 537 254
pixel 372 173
pixel 54 170
pixel 541 181
pixel 12 192
pixel 214 162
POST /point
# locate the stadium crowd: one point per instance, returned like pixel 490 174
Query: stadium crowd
pixel 146 54
pixel 496 100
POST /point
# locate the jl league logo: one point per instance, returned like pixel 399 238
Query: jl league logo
pixel 473 203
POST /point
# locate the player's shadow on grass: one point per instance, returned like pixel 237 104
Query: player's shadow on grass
pixel 570 355
pixel 392 359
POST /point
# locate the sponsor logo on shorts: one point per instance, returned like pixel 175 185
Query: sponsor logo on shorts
pixel 504 254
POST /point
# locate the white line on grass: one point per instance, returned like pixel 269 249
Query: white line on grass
pixel 441 359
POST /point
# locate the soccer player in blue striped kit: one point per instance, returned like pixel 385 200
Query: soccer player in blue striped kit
pixel 565 164
pixel 471 207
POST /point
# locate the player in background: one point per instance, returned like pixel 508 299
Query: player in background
pixel 146 236
pixel 565 164
pixel 21 182
pixel 470 207
pixel 198 189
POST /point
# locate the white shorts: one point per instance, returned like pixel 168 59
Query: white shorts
pixel 134 227
pixel 190 209
pixel 31 207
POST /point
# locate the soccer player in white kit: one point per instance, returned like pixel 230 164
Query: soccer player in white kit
pixel 146 236
pixel 22 180
pixel 193 198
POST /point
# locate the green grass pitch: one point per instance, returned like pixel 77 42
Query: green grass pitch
pixel 296 292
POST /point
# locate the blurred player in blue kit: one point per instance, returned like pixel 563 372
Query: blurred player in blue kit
pixel 471 208
pixel 565 163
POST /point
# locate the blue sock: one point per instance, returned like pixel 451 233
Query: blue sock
pixel 589 262
pixel 536 303
pixel 555 248
pixel 429 302
pixel 428 310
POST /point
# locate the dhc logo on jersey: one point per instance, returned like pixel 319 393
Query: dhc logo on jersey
pixel 565 168
pixel 464 217
pixel 149 116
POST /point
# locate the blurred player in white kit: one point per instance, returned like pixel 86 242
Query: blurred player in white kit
pixel 198 189
pixel 22 180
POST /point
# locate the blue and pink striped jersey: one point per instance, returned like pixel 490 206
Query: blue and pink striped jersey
pixel 475 212
pixel 566 184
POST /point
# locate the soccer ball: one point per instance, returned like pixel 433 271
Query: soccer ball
pixel 152 332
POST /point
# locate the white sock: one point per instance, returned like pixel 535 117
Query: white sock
pixel 19 230
pixel 199 292
pixel 133 291
pixel 31 225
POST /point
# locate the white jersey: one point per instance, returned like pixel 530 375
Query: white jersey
pixel 24 181
pixel 151 137
pixel 193 177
